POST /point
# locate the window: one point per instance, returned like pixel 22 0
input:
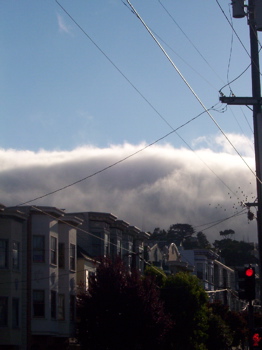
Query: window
pixel 3 253
pixel 38 303
pixel 38 249
pixel 53 304
pixel 53 250
pixel 72 256
pixel 3 311
pixel 106 245
pixel 15 313
pixel 72 308
pixel 61 255
pixel 200 272
pixel 15 255
pixel 61 307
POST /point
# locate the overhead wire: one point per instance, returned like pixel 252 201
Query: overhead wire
pixel 233 29
pixel 190 88
pixel 198 51
pixel 191 42
pixel 133 154
pixel 111 165
pixel 96 260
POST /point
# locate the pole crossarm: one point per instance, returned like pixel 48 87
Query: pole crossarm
pixel 241 100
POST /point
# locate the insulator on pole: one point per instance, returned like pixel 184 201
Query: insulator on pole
pixel 258 14
pixel 238 8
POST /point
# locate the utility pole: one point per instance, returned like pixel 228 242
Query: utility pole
pixel 254 15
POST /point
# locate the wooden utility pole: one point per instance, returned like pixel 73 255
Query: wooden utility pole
pixel 255 101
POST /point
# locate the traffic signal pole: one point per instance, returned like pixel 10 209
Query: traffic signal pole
pixel 257 122
pixel 255 101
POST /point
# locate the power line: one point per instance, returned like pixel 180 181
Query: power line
pixel 111 165
pixel 189 86
pixel 140 92
pixel 190 41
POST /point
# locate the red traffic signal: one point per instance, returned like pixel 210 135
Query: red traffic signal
pixel 256 338
pixel 249 272
pixel 247 283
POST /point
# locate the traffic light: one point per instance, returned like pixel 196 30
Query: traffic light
pixel 256 338
pixel 247 283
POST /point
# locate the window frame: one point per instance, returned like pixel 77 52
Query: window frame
pixel 4 256
pixel 16 259
pixel 53 312
pixel 15 313
pixel 72 307
pixel 38 304
pixel 38 255
pixel 53 250
pixel 61 307
pixel 61 255
pixel 3 311
pixel 72 257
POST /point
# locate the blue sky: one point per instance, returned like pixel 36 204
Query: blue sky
pixel 84 85
pixel 60 91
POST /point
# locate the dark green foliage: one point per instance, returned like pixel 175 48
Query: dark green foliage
pixel 186 300
pixel 121 311
pixel 220 337
pixel 156 274
pixel 235 326
pixel 203 243
pixel 228 232
pixel 180 234
pixel 235 253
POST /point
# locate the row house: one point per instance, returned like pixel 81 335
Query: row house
pixel 38 277
pixel 168 259
pixel 103 235
pixel 46 258
pixel 217 279
pixel 13 283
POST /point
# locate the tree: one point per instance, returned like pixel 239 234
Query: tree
pixel 203 243
pixel 232 325
pixel 220 337
pixel 121 311
pixel 235 253
pixel 179 232
pixel 156 274
pixel 186 300
pixel 227 232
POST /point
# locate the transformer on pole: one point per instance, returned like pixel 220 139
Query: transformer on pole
pixel 253 12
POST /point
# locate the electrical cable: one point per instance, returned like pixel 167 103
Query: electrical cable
pixel 190 41
pixel 233 29
pixel 190 88
pixel 132 84
pixel 111 165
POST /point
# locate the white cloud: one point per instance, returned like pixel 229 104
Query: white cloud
pixel 155 188
pixel 241 143
pixel 63 27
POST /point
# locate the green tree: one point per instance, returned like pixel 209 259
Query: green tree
pixel 156 274
pixel 219 334
pixel 227 232
pixel 203 243
pixel 186 300
pixel 179 232
pixel 235 326
pixel 235 253
pixel 121 311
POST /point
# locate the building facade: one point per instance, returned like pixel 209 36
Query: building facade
pixel 103 235
pixel 38 265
